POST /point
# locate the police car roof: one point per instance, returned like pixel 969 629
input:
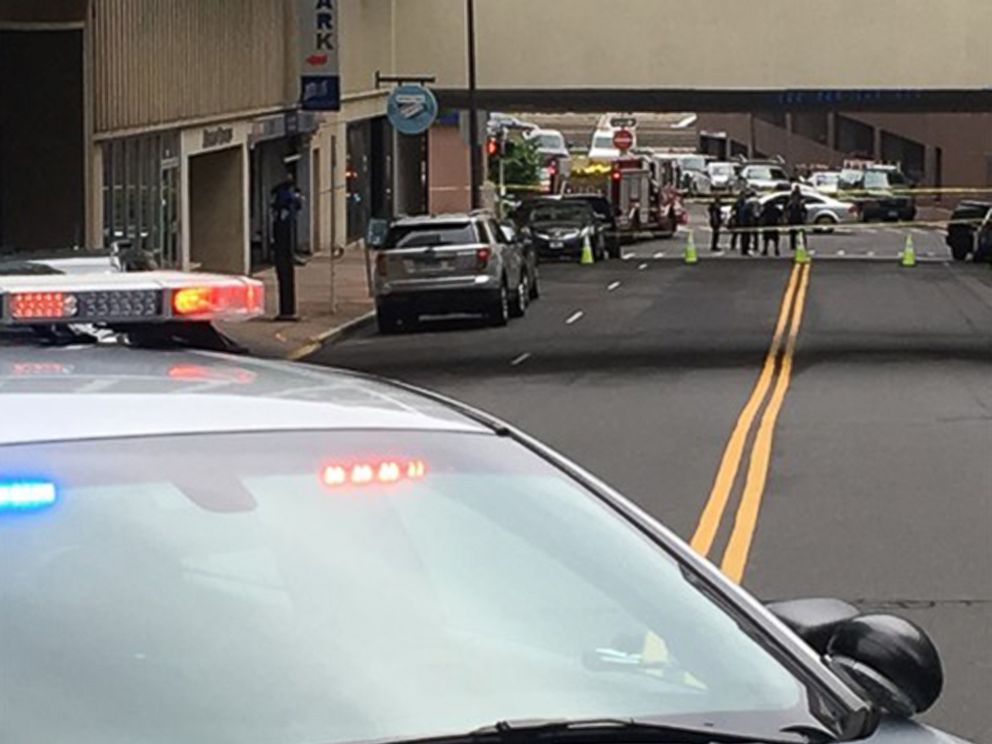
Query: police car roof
pixel 107 391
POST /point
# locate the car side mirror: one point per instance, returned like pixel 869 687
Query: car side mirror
pixel 375 234
pixel 890 661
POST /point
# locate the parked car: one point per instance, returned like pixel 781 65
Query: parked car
pixel 693 178
pixel 765 176
pixel 970 231
pixel 559 228
pixel 825 182
pixel 823 212
pixel 550 142
pixel 456 263
pixel 725 178
pixel 878 191
pixel 603 211
pixel 601 147
pixel 498 121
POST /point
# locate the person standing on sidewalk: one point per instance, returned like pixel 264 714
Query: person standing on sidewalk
pixel 716 220
pixel 286 203
pixel 795 216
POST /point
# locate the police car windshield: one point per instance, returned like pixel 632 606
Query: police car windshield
pixel 431 234
pixel 347 586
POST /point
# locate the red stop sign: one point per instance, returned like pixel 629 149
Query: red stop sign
pixel 623 139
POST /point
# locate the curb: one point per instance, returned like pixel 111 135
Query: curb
pixel 330 334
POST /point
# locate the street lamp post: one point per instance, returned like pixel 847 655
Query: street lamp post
pixel 475 154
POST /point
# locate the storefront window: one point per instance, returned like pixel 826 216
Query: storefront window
pixel 140 195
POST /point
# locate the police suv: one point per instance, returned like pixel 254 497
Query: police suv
pixel 204 548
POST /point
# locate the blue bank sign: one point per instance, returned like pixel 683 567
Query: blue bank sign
pixel 320 81
pixel 411 109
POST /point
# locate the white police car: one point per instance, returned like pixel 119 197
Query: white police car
pixel 197 547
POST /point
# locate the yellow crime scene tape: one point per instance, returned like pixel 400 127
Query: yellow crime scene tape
pixel 879 193
pixel 863 226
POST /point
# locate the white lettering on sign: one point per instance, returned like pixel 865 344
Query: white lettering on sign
pixel 217 137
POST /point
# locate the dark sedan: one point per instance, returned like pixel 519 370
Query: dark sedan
pixel 559 228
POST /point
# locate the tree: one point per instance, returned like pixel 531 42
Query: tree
pixel 521 161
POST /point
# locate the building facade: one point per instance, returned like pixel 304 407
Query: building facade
pixel 166 124
pixel 941 150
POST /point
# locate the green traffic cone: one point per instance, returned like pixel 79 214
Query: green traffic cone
pixel 802 255
pixel 691 256
pixel 908 259
pixel 587 258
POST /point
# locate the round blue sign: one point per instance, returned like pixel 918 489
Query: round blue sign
pixel 411 109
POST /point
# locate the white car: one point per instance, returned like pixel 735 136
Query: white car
pixel 765 177
pixel 724 177
pixel 822 211
pixel 550 142
pixel 825 182
pixel 602 147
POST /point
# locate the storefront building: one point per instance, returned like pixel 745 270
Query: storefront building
pixel 166 126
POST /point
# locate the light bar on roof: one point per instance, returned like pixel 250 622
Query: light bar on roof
pixel 141 297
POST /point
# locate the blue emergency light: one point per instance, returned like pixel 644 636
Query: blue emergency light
pixel 26 495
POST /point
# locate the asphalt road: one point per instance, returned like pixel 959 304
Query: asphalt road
pixel 865 471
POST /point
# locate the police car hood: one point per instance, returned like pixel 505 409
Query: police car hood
pixel 900 731
pixel 108 391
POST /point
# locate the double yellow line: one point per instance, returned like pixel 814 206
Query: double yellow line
pixel 777 369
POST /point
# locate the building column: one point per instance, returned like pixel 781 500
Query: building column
pixel 94 198
pixel 876 152
pixel 832 130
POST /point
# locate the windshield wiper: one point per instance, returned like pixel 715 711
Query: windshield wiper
pixel 600 731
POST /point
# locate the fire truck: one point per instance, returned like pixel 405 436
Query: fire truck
pixel 642 207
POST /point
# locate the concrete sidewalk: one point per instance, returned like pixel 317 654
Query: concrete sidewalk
pixel 265 337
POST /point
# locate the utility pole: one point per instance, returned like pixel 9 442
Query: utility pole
pixel 475 154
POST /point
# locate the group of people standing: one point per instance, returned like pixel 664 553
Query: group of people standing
pixel 749 219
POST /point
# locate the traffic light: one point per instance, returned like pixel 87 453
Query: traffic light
pixel 492 147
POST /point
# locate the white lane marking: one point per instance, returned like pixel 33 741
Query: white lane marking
pixel 870 231
pixel 659 254
pixel 893 231
pixel 574 317
pixel 612 286
pixel 870 254
pixel 627 256
pixel 641 267
pixel 841 252
pixel 520 359
pixel 918 231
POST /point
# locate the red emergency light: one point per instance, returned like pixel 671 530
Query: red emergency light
pixel 126 298
pixel 372 472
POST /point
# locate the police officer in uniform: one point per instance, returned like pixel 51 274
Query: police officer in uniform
pixel 716 220
pixel 795 215
pixel 286 203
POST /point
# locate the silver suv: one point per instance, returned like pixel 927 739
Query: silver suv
pixel 455 263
